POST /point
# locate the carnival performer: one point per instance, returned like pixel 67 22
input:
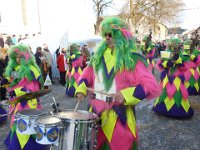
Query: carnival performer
pixel 148 50
pixel 24 76
pixel 173 101
pixel 190 55
pixel 75 62
pixel 119 79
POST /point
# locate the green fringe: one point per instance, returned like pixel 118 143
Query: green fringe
pixel 105 146
pixel 192 81
pixel 178 98
pixel 107 81
pixel 134 147
pixel 137 57
pixel 163 96
pixel 13 129
pixel 196 52
pixel 185 57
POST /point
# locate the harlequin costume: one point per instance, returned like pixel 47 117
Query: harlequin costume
pixel 173 101
pixel 121 70
pixel 148 50
pixel 192 73
pixel 24 77
pixel 75 59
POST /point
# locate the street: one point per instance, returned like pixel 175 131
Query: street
pixel 155 132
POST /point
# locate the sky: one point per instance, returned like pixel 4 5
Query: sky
pixel 190 17
pixel 77 16
pixel 67 12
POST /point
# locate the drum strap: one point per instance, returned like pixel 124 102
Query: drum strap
pixel 107 98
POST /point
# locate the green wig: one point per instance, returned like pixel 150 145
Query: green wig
pixel 27 59
pixel 123 40
pixel 174 45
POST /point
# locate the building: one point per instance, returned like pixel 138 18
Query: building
pixel 19 17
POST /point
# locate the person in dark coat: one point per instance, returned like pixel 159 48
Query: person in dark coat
pixel 40 60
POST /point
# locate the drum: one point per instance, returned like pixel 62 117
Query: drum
pixel 25 120
pixel 80 129
pixel 48 130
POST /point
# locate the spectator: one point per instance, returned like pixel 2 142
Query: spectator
pixel 9 42
pixel 48 58
pixel 86 55
pixel 62 66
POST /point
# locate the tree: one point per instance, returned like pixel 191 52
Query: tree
pixel 176 30
pixel 152 12
pixel 99 7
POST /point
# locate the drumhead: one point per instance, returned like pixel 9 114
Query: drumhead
pixel 78 115
pixel 30 112
pixel 47 121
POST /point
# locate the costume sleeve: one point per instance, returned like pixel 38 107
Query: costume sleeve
pixel 142 84
pixel 85 80
pixel 133 95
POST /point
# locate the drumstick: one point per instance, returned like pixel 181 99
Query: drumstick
pixel 77 104
pixel 55 103
pixel 100 92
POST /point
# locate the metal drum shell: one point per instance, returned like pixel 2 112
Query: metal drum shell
pixel 79 132
pixel 26 118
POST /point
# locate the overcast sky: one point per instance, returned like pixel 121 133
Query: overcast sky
pixel 78 16
pixel 190 17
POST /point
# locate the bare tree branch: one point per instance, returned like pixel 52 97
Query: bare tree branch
pixel 99 7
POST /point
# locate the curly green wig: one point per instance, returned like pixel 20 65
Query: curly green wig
pixel 73 47
pixel 27 59
pixel 123 41
pixel 145 38
pixel 174 45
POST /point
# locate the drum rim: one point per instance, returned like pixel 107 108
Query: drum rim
pixel 90 120
pixel 18 115
pixel 49 124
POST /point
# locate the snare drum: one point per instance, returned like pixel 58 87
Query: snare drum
pixel 80 129
pixel 25 120
pixel 48 130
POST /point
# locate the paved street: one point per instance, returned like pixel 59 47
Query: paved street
pixel 155 132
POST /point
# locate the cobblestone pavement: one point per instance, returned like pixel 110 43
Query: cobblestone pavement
pixel 155 132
